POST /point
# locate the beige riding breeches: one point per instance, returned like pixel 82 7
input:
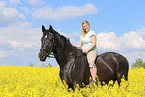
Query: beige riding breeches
pixel 91 56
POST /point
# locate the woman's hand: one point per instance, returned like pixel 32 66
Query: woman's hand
pixel 78 47
pixel 85 51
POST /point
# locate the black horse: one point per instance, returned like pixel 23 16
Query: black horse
pixel 74 68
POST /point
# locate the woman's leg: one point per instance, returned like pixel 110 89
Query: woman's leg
pixel 93 73
pixel 91 56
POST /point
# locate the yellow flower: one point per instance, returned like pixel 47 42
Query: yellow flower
pixel 17 81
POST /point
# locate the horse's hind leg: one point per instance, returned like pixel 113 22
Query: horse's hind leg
pixel 126 77
pixel 119 80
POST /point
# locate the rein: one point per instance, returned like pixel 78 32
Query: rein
pixel 52 55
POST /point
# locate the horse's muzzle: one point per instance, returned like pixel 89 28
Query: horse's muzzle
pixel 42 56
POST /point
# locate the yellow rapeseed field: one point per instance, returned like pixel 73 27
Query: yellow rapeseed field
pixel 17 81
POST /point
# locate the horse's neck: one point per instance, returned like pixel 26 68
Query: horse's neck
pixel 63 45
pixel 64 51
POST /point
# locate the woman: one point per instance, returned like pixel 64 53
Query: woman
pixel 88 45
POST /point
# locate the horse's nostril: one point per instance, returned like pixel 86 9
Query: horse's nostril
pixel 42 56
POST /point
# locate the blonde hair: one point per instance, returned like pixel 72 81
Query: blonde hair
pixel 82 30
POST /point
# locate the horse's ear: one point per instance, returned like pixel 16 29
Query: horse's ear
pixel 43 28
pixel 50 27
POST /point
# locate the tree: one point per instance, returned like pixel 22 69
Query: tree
pixel 31 65
pixel 138 63
pixel 49 65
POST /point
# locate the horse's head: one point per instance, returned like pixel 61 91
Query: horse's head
pixel 47 42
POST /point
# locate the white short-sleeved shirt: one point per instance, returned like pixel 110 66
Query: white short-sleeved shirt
pixel 86 41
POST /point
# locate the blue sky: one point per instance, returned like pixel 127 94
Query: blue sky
pixel 119 24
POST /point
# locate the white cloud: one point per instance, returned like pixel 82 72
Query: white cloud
pixel 23 25
pixel 25 10
pixel 9 15
pixel 20 37
pixel 5 53
pixel 73 34
pixel 108 41
pixel 132 40
pixel 14 43
pixel 34 2
pixel 141 32
pixel 15 2
pixel 2 3
pixel 64 12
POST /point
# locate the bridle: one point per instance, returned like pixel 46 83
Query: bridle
pixel 48 52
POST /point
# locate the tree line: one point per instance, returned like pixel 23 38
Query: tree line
pixel 42 65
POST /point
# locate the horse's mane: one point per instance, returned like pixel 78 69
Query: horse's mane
pixel 63 40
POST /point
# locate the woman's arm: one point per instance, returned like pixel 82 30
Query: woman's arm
pixel 79 45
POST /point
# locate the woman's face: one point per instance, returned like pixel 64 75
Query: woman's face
pixel 86 27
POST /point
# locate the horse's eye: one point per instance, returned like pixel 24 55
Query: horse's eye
pixel 50 36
